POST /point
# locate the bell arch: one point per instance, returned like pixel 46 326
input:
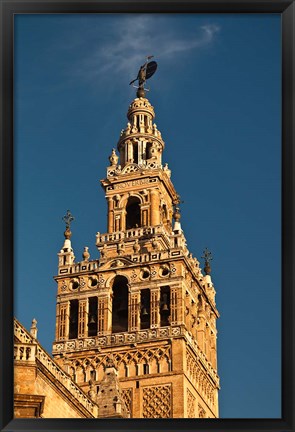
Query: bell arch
pixel 120 304
pixel 133 212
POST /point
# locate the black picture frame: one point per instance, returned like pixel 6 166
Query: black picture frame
pixel 287 10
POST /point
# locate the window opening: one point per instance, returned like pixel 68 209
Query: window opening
pixel 133 213
pixel 120 305
pixel 73 330
pixel 145 310
pixel 92 316
pixel 165 306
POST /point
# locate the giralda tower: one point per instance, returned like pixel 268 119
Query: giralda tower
pixel 145 305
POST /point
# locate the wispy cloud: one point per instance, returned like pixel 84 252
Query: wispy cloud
pixel 135 37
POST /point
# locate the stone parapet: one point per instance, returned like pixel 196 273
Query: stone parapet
pixel 118 339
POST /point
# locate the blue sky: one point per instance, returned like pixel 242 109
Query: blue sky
pixel 216 95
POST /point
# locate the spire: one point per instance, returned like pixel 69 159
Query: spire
pixel 33 329
pixel 66 255
pixel 140 143
pixel 68 218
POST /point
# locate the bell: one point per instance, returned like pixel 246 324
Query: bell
pixel 92 320
pixel 144 312
pixel 165 308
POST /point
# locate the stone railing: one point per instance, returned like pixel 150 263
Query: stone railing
pixel 21 334
pixel 30 350
pixel 130 233
pixel 62 377
pixel 118 339
pixel 25 352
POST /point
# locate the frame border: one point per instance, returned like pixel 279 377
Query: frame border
pixel 8 8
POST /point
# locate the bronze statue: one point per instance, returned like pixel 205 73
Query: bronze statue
pixel 144 73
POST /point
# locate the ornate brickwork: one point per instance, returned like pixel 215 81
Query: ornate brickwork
pixel 127 397
pixel 157 401
pixel 129 363
pixel 191 405
pixel 202 412
pixel 200 379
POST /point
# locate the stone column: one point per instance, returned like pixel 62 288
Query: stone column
pixel 57 321
pixel 110 215
pixel 155 207
pixel 134 312
pixel 82 318
pixel 108 314
pixel 144 214
pixel 102 314
pixel 129 152
pixel 174 306
pixel 155 308
pixel 63 319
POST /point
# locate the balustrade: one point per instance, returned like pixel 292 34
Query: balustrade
pixel 24 352
pixel 130 233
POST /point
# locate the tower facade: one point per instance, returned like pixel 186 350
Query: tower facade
pixel 145 304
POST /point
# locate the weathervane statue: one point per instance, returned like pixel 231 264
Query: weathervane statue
pixel 145 72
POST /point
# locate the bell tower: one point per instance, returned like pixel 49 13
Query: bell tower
pixel 145 303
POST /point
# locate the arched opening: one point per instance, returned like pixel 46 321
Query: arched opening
pixel 133 213
pixel 120 305
pixel 73 328
pixel 135 153
pixel 148 150
pixel 93 374
pixel 145 313
pixel 165 306
pixel 92 316
pixel 164 214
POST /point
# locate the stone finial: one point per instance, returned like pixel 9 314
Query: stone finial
pixel 86 254
pixel 113 158
pixel 136 246
pixel 207 257
pixel 167 170
pixel 177 216
pixel 66 255
pixel 68 234
pixel 33 329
